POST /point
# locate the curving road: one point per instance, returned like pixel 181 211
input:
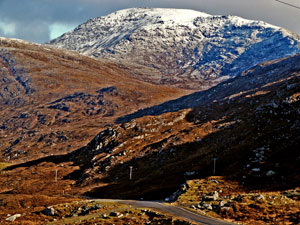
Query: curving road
pixel 176 211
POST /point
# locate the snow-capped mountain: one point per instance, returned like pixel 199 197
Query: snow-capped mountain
pixel 181 47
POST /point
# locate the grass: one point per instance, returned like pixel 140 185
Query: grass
pixel 241 205
pixel 106 208
pixel 122 214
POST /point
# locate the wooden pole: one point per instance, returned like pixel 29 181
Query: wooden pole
pixel 56 175
pixel 130 173
pixel 214 159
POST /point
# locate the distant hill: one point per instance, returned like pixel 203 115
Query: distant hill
pixel 54 101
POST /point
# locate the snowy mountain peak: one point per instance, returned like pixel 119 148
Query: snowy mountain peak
pixel 180 47
pixel 179 16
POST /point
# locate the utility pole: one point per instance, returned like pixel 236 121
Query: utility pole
pixel 56 175
pixel 130 173
pixel 214 159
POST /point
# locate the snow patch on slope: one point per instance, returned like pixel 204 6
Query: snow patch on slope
pixel 179 16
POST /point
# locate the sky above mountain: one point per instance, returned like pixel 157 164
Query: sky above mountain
pixel 42 20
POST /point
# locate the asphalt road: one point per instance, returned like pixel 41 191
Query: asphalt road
pixel 176 211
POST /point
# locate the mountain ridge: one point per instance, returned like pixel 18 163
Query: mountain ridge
pixel 195 52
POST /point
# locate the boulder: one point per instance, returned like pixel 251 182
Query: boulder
pixel 13 218
pixel 260 197
pixel 113 214
pixel 194 207
pixel 207 206
pixel 222 203
pixel 104 216
pixel 49 211
pixel 213 196
pixel 270 173
pixel 216 208
pixel 176 194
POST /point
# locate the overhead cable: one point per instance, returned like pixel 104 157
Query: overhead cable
pixel 294 6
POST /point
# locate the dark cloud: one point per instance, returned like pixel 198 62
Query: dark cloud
pixel 32 18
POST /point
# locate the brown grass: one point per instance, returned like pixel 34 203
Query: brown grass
pixel 241 206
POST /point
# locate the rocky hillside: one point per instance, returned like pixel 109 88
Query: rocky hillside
pixel 184 48
pixel 262 74
pixel 54 101
pixel 253 133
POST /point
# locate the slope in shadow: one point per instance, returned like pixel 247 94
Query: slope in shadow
pixel 259 126
pixel 256 77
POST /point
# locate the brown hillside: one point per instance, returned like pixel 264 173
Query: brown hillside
pixel 55 101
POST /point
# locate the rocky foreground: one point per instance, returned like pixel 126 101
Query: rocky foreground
pixel 222 198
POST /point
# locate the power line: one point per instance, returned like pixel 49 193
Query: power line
pixel 294 6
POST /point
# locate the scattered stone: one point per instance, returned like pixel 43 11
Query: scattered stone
pixel 86 211
pixel 222 203
pixel 13 218
pixel 207 206
pixel 104 216
pixel 256 169
pixel 194 207
pixel 95 207
pixel 215 181
pixel 151 214
pixel 270 173
pixel 291 86
pixel 114 214
pixel 274 105
pixel 174 196
pixel 226 208
pixel 213 196
pixel 188 174
pixel 295 195
pixel 238 198
pixel 260 197
pixel 216 208
pixel 49 211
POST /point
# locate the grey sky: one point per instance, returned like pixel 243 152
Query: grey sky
pixel 40 20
